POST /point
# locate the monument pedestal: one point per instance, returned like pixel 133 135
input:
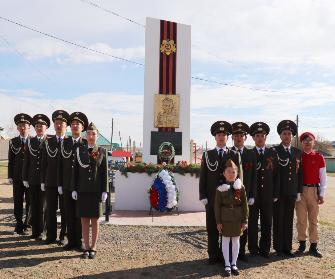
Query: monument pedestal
pixel 131 193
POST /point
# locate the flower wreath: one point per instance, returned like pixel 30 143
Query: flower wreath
pixel 163 192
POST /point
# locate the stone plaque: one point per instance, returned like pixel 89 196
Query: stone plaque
pixel 157 138
pixel 166 111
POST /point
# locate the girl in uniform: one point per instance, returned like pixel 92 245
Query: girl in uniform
pixel 90 184
pixel 231 214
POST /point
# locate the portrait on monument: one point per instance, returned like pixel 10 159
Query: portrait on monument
pixel 166 111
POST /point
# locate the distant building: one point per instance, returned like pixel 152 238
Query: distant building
pixel 101 141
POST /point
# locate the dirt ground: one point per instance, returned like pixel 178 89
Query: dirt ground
pixel 151 252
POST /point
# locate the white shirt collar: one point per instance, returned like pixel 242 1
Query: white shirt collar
pixel 285 147
pixel 223 148
pixel 75 139
pixel 237 149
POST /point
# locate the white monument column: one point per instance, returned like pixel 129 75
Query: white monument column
pixel 167 88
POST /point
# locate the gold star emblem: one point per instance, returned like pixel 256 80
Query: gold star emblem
pixel 168 47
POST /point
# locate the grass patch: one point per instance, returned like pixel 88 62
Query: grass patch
pixel 331 174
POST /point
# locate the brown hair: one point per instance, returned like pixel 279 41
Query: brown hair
pixel 230 164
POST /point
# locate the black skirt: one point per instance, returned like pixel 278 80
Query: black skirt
pixel 89 205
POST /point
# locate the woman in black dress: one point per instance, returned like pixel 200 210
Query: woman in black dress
pixel 90 184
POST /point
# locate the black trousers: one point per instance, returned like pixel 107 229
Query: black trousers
pixel 263 209
pixel 21 194
pixel 283 213
pixel 212 234
pixel 36 208
pixel 53 199
pixel 73 223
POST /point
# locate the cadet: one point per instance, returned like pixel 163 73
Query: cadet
pixel 15 165
pixel 314 187
pixel 290 172
pixel 249 163
pixel 267 191
pixel 79 123
pixel 90 186
pixel 49 177
pixel 31 173
pixel 211 176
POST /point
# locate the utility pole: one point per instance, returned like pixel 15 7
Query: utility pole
pixel 297 136
pixel 111 175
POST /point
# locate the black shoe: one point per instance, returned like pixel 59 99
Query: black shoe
pixel 92 254
pixel 313 251
pixel 49 241
pixel 61 242
pixel 234 270
pixel 279 253
pixel 289 254
pixel 243 258
pixel 69 247
pixel 227 272
pixel 264 255
pixel 254 253
pixel 301 249
pixel 85 254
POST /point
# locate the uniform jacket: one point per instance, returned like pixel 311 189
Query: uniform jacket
pixel 66 162
pixel 50 162
pixel 31 171
pixel 290 170
pixel 249 164
pixel 15 158
pixel 90 171
pixel 231 209
pixel 268 179
pixel 211 172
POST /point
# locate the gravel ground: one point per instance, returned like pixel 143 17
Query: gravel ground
pixel 145 252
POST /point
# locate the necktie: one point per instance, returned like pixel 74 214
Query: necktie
pixel 220 153
pixel 240 151
pixel 22 142
pixel 288 152
pixel 261 154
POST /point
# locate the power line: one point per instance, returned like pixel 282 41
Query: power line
pixel 21 55
pixel 93 4
pixel 71 43
pixel 112 12
pixel 131 61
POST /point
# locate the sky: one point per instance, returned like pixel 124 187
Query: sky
pixel 285 48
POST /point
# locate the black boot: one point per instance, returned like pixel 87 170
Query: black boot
pixel 313 250
pixel 301 249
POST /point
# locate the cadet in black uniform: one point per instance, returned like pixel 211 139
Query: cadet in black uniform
pixel 90 186
pixel 211 176
pixel 267 191
pixel 31 173
pixel 249 163
pixel 291 185
pixel 49 176
pixel 79 123
pixel 15 165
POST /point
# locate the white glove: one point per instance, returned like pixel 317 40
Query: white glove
pixel 298 197
pixel 10 180
pixel 74 195
pixel 275 199
pixel 204 201
pixel 60 190
pixel 42 187
pixel 251 201
pixel 26 184
pixel 104 196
